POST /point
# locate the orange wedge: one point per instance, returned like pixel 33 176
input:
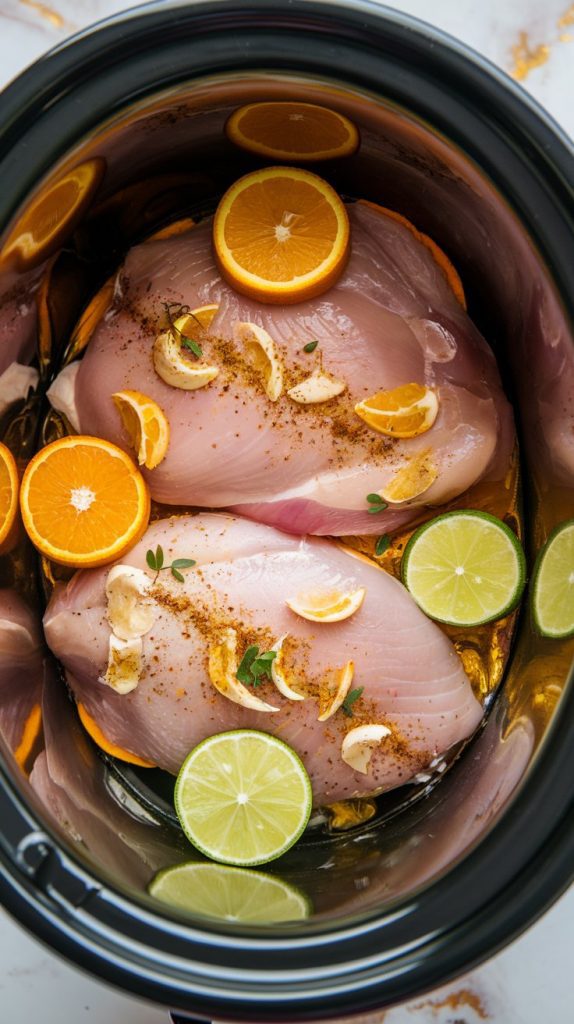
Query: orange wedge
pixel 30 734
pixel 8 500
pixel 281 235
pixel 438 255
pixel 146 425
pixel 93 730
pixel 406 411
pixel 83 502
pixel 331 606
pixel 412 480
pixel 203 315
pixel 292 131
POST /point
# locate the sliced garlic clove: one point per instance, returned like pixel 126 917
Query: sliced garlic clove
pixel 319 387
pixel 222 668
pixel 174 369
pixel 125 664
pixel 130 612
pixel 278 675
pixel 261 352
pixel 359 743
pixel 62 394
pixel 340 687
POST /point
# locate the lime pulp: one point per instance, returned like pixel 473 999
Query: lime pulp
pixel 552 593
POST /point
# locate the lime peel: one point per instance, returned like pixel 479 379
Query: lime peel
pixel 464 568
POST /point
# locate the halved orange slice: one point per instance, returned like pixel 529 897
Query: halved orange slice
pixel 406 411
pixel 83 501
pixel 94 731
pixel 281 235
pixel 8 500
pixel 437 253
pixel 415 477
pixel 203 315
pixel 329 606
pixel 146 424
pixel 292 131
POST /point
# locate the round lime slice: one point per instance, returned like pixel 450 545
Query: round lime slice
pixel 552 593
pixel 464 568
pixel 243 797
pixel 230 894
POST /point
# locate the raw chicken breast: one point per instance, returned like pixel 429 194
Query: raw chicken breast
pixel 21 674
pixel 391 319
pixel 413 680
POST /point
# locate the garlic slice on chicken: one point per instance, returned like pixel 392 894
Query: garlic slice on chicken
pixel 262 353
pixel 222 668
pixel 359 744
pixel 62 394
pixel 125 664
pixel 341 685
pixel 278 675
pixel 130 612
pixel 172 366
pixel 319 387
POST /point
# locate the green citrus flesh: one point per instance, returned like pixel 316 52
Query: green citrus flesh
pixel 230 894
pixel 464 568
pixel 552 594
pixel 243 797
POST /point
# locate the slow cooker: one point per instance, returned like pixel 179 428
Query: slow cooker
pixel 117 134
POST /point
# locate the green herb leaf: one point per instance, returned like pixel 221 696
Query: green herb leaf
pixel 192 345
pixel 383 543
pixel 244 671
pixel 183 563
pixel 155 560
pixel 375 499
pixel 158 557
pixel 376 504
pixel 150 559
pixel 347 705
pixel 177 575
pixel 310 346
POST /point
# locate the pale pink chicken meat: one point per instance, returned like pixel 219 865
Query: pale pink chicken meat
pixel 413 680
pixel 391 319
pixel 22 653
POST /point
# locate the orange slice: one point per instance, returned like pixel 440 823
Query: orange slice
pixel 30 734
pixel 292 131
pixel 53 214
pixel 8 500
pixel 412 480
pixel 83 501
pixel 146 425
pixel 437 253
pixel 94 731
pixel 281 235
pixel 332 606
pixel 406 411
pixel 203 315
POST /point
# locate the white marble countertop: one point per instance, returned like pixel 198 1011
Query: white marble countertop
pixel 530 982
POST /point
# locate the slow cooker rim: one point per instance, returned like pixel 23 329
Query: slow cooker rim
pixel 560 869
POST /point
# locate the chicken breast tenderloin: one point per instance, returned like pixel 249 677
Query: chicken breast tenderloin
pixel 392 319
pixel 413 680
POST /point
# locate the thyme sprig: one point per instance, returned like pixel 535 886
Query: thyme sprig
pixel 376 503
pixel 185 341
pixel 255 666
pixel 383 544
pixel 350 699
pixel 155 560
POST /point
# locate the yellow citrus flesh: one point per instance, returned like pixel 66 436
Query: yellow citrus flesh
pixel 412 480
pixel 437 253
pixel 406 411
pixel 83 501
pixel 146 425
pixel 281 235
pixel 8 500
pixel 94 731
pixel 203 315
pixel 292 131
pixel 333 606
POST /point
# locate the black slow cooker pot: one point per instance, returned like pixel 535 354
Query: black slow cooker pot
pixel 439 878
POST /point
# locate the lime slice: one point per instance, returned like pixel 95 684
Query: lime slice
pixel 464 568
pixel 230 894
pixel 243 797
pixel 552 594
